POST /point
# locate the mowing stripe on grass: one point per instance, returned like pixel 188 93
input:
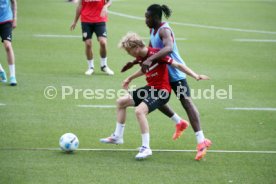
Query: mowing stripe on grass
pixel 128 150
pixel 97 106
pixel 253 40
pixel 197 25
pixel 179 39
pixel 229 108
pixel 249 109
pixel 55 36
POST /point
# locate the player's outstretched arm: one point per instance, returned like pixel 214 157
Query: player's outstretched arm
pixel 189 71
pixel 135 75
pixel 129 65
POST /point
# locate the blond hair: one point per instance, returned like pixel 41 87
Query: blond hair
pixel 131 40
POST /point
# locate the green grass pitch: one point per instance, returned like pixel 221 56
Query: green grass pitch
pixel 29 120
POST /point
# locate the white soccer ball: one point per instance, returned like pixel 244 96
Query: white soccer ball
pixel 69 142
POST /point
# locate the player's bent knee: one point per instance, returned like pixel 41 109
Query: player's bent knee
pixel 120 102
pixel 123 102
pixel 140 111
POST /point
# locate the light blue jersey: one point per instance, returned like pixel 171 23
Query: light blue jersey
pixel 156 42
pixel 5 11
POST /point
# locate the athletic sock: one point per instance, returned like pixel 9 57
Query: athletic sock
pixel 146 140
pixel 1 68
pixel 90 63
pixel 119 131
pixel 12 70
pixel 103 62
pixel 176 118
pixel 199 137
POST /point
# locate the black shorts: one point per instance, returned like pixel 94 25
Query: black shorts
pixel 6 31
pixel 152 97
pixel 89 28
pixel 181 89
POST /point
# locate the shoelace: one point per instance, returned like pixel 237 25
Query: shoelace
pixel 142 149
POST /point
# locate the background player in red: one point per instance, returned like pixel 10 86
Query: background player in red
pixel 148 98
pixel 93 15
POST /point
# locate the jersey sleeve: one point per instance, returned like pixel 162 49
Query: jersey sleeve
pixel 138 59
pixel 166 60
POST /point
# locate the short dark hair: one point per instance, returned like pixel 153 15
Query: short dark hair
pixel 156 10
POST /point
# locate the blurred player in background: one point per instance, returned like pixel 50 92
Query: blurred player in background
pixel 8 16
pixel 148 98
pixel 93 15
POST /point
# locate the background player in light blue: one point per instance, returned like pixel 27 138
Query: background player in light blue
pixel 8 21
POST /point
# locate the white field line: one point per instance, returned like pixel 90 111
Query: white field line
pixel 1 104
pixel 197 25
pixel 249 109
pixel 181 39
pixel 97 106
pixel 130 150
pixel 253 40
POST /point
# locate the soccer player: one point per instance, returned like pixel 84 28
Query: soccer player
pixel 162 37
pixel 148 98
pixel 93 15
pixel 8 16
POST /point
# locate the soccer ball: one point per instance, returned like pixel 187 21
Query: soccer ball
pixel 69 142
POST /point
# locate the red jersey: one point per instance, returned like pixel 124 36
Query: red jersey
pixel 91 10
pixel 158 74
